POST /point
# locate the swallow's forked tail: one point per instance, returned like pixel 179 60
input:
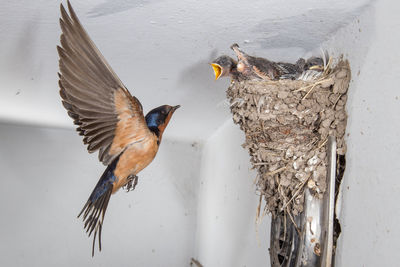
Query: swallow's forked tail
pixel 96 206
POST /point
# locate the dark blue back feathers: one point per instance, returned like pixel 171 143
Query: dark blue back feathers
pixel 106 180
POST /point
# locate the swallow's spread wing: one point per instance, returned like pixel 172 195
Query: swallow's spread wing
pixel 106 114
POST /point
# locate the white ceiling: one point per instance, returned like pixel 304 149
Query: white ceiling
pixel 159 49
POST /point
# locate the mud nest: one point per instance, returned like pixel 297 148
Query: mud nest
pixel 287 124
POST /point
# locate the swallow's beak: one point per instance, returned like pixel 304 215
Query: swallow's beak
pixel 175 108
pixel 217 70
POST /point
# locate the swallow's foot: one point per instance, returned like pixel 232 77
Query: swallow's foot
pixel 132 182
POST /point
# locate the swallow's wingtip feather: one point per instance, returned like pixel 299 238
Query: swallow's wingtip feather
pixel 61 7
pixel 69 6
pixel 60 51
pixel 74 17
pixel 64 13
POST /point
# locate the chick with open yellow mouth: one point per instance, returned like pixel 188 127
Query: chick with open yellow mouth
pixel 224 66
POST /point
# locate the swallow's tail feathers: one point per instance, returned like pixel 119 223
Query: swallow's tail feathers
pixel 94 216
pixel 95 208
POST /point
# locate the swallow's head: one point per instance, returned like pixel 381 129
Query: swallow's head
pixel 223 66
pixel 157 119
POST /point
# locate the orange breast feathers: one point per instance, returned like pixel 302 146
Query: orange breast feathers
pixel 134 159
pixel 131 126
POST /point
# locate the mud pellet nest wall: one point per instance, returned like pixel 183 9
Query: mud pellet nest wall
pixel 287 124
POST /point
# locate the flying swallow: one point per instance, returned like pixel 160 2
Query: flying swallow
pixel 248 67
pixel 108 117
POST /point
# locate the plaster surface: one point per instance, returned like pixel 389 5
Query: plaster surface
pixel 227 233
pixel 46 179
pixel 160 50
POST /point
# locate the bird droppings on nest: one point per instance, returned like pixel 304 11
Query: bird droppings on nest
pixel 287 124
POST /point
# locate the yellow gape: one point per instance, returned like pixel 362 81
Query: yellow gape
pixel 217 70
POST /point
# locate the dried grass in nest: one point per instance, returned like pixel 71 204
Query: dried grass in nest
pixel 287 123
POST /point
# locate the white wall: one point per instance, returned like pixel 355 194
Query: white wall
pixel 47 176
pixel 226 232
pixel 371 190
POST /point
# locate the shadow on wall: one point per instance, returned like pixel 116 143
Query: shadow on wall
pixel 184 175
pixel 199 83
pixel 308 30
pixel 199 74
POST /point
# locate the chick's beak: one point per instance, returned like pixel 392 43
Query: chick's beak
pixel 217 70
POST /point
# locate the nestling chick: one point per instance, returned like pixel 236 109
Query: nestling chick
pixel 224 66
pixel 261 68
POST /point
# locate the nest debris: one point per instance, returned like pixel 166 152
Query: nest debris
pixel 287 124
